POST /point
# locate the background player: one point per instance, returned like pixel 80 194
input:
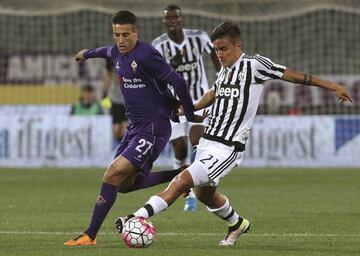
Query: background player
pixel 144 76
pixel 235 98
pixel 183 49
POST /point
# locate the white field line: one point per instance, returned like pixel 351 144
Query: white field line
pixel 183 234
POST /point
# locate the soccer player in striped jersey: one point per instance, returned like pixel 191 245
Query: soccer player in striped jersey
pixel 143 76
pixel 183 49
pixel 234 98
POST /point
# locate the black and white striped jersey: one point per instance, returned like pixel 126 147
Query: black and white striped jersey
pixel 238 90
pixel 186 58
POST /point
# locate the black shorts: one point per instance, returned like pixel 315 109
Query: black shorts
pixel 118 113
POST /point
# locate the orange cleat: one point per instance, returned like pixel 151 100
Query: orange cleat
pixel 83 239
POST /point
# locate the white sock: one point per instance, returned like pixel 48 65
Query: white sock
pixel 178 163
pixel 226 212
pixel 155 205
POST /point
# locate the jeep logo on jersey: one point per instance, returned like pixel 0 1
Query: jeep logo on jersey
pixel 229 92
pixel 187 67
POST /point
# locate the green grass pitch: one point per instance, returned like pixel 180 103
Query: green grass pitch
pixel 292 212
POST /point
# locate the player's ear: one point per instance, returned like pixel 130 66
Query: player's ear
pixel 239 44
pixel 136 29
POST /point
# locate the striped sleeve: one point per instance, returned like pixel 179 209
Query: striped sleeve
pixel 154 43
pixel 158 48
pixel 265 69
pixel 206 42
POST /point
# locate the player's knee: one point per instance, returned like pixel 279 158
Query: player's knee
pixel 114 175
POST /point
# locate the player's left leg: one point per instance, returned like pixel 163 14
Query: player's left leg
pixel 219 205
pixel 153 178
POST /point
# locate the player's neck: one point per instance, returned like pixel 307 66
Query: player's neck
pixel 177 36
pixel 236 58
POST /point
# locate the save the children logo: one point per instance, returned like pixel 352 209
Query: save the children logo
pixel 133 83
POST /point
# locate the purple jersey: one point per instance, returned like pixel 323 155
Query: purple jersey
pixel 143 77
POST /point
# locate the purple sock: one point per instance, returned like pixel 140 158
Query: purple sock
pixel 152 179
pixel 103 205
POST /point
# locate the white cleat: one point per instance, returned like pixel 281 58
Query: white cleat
pixel 234 233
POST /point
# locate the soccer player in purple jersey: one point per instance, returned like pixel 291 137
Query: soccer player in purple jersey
pixel 143 76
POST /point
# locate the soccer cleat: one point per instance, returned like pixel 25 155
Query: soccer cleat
pixel 83 239
pixel 120 224
pixel 234 232
pixel 190 202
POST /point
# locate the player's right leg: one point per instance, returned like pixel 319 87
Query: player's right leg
pixel 214 161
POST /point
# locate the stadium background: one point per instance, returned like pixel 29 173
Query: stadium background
pixel 39 79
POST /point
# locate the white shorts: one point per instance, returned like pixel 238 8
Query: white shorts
pixel 182 129
pixel 213 161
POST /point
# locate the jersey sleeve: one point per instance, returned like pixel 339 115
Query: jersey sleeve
pixel 100 52
pixel 157 66
pixel 265 69
pixel 207 44
pixel 158 48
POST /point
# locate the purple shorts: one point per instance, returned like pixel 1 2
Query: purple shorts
pixel 144 142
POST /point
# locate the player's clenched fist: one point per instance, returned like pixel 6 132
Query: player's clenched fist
pixel 79 57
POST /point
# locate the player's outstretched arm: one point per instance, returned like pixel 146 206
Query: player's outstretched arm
pixel 302 78
pixel 100 52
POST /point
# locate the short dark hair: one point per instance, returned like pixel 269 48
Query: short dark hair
pixel 172 7
pixel 226 29
pixel 124 17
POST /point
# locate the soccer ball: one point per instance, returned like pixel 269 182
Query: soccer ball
pixel 138 233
